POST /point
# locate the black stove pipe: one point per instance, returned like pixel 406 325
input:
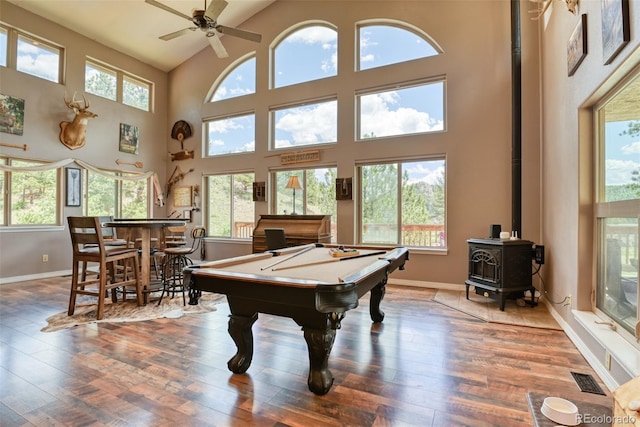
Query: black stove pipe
pixel 516 120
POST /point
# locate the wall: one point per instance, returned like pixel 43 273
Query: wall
pixel 475 36
pixel 21 250
pixel 567 141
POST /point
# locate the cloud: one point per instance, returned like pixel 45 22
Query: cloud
pixel 379 120
pixel 631 149
pixel 310 125
pixel 618 172
pixel 314 35
pixel 419 173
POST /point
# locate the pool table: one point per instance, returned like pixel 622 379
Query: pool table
pixel 315 285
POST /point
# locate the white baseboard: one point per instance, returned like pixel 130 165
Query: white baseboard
pixel 28 277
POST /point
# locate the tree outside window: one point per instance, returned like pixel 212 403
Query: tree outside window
pixel 403 203
pixel 230 211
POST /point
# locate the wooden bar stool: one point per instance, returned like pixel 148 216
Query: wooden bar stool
pixel 88 231
pixel 176 259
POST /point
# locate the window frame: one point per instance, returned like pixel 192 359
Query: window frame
pixel 207 214
pixel 393 87
pixel 399 192
pixel 121 77
pixel 607 209
pixel 14 35
pixel 118 189
pixel 7 203
pixel 273 110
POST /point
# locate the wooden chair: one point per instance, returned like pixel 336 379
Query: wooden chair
pixel 88 231
pixel 176 259
pixel 276 238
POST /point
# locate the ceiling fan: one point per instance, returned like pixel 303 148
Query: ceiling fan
pixel 206 21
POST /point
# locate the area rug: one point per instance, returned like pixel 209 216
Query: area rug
pixel 130 312
pixel 488 309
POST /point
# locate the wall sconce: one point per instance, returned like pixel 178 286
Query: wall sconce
pixel 344 188
pixel 259 191
pixel 294 183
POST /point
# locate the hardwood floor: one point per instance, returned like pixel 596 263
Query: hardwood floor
pixel 426 365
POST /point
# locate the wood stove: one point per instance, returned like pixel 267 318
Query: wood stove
pixel 500 268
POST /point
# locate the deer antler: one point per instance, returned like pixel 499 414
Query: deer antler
pixel 74 104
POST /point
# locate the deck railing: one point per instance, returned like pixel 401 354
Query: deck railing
pixel 429 235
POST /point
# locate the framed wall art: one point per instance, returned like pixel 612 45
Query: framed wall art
pixel 73 186
pixel 183 196
pixel 615 28
pixel 577 46
pixel 129 138
pixel 11 115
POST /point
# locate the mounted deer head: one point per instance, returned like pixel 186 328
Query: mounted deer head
pixel 73 134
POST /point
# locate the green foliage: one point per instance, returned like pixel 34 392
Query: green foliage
pixel 33 196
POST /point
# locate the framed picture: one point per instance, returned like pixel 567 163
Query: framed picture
pixel 577 46
pixel 615 28
pixel 73 180
pixel 183 196
pixel 11 114
pixel 129 138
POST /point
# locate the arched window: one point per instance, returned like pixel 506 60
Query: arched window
pixel 384 44
pixel 309 53
pixel 239 81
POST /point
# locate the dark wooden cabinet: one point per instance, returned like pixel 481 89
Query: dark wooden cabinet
pixel 298 229
pixel 499 267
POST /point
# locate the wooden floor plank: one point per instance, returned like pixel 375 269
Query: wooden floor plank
pixel 426 365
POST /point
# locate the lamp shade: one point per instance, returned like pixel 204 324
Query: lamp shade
pixel 293 183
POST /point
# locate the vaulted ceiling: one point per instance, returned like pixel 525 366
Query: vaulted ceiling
pixel 133 26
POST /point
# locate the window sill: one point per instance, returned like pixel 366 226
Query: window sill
pixel 625 353
pixel 30 228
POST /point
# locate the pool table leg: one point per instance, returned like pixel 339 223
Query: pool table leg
pixel 377 293
pixel 240 331
pixel 319 344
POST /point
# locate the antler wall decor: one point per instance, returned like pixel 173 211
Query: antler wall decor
pixel 73 134
pixel 176 177
pixel 24 147
pixel 139 165
pixel 543 5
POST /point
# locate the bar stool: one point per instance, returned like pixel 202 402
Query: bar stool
pixel 176 259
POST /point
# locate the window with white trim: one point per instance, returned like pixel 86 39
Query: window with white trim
pixel 107 193
pixel 230 211
pixel 305 124
pixel 108 82
pixel 402 203
pixel 230 135
pixel 401 111
pixel 306 54
pixel 32 195
pixel 618 204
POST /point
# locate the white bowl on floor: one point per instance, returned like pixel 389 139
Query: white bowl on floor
pixel 560 411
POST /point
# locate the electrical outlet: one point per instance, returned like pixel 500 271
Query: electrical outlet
pixel 607 360
pixel 569 300
pixel 45 258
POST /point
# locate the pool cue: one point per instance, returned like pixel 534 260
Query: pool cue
pixel 326 261
pixel 288 258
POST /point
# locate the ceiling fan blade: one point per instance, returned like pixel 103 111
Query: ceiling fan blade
pixel 167 8
pixel 217 46
pixel 236 32
pixel 215 8
pixel 178 33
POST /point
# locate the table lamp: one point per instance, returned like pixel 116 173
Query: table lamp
pixel 295 184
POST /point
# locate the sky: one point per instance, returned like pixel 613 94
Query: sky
pixel 622 154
